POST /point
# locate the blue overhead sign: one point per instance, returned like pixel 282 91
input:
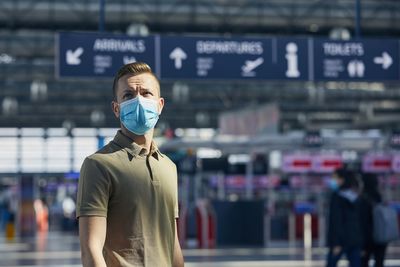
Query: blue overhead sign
pixel 92 55
pixel 358 60
pixel 290 59
pixel 100 55
pixel 233 58
pixel 213 58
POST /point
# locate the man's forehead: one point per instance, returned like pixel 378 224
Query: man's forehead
pixel 140 79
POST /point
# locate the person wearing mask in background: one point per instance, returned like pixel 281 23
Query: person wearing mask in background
pixel 127 201
pixel 370 197
pixel 344 234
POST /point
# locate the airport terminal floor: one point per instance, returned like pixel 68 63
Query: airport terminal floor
pixel 62 249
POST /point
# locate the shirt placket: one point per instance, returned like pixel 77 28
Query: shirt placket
pixel 150 164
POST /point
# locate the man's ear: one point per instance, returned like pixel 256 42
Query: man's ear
pixel 160 105
pixel 115 109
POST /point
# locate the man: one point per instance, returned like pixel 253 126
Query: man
pixel 344 233
pixel 127 195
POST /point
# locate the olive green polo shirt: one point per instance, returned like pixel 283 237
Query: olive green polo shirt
pixel 138 196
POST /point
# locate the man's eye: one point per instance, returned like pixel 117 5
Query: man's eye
pixel 128 95
pixel 147 93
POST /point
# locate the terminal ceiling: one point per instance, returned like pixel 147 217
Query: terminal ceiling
pixel 27 30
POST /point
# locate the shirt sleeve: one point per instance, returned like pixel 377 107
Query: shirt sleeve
pixel 335 222
pixel 93 190
pixel 176 208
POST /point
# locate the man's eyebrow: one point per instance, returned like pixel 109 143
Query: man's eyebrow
pixel 146 89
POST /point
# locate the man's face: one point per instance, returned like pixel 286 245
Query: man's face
pixel 339 180
pixel 130 86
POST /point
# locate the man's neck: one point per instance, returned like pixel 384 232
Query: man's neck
pixel 141 140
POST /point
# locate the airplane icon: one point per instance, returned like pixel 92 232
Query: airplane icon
pixel 250 65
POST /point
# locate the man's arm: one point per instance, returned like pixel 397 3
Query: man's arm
pixel 92 235
pixel 178 257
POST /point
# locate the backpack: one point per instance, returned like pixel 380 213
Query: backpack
pixel 385 224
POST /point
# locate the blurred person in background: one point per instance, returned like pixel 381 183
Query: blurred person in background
pixel 370 197
pixel 344 233
pixel 42 214
pixel 127 196
pixel 68 206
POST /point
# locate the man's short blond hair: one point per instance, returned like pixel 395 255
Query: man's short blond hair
pixel 134 68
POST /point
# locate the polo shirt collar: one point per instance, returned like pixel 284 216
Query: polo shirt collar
pixel 134 149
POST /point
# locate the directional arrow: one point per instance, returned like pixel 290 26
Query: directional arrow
pixel 178 55
pixel 386 60
pixel 72 57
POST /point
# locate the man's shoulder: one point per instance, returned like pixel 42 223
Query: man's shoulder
pixel 334 196
pixel 105 154
pixel 167 160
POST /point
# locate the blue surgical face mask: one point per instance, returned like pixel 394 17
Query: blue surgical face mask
pixel 333 184
pixel 139 115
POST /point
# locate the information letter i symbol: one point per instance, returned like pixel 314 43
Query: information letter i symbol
pixel 292 61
